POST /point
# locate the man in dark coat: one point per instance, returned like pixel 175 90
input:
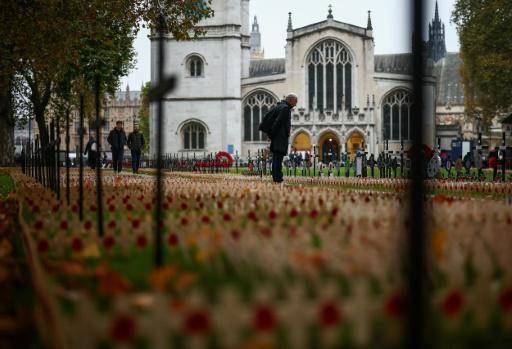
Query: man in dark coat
pixel 279 135
pixel 92 149
pixel 136 143
pixel 117 140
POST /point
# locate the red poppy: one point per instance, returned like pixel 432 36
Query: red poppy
pixel 294 213
pixel 313 214
pixel 63 225
pixel 43 246
pixel 452 303
pixel 122 328
pixel 329 314
pixel 111 224
pixel 205 219
pixel 35 209
pixel 165 205
pixel 266 232
pixel 219 205
pixel 264 319
pixel 252 216
pixel 334 212
pixel 88 225
pixel 92 208
pixel 506 299
pixel 77 244
pixel 141 241
pixel 55 208
pixel 184 206
pixel 184 221
pixel 197 322
pixel 148 206
pixel 227 217
pixel 129 207
pixel 136 223
pixel 109 242
pixel 111 208
pixel 173 239
pixel 38 224
pixel 272 215
pixel 396 305
pixel 235 234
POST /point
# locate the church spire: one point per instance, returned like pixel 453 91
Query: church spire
pixel 330 16
pixel 369 26
pixel 290 27
pixel 436 37
pixel 255 25
pixel 255 41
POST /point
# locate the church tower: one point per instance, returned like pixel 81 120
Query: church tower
pixel 436 38
pixel 202 115
pixel 256 51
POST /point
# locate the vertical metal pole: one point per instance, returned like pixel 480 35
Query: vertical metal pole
pixel 314 161
pixel 416 239
pixel 402 157
pixel 504 154
pixel 57 157
pixel 80 161
pixel 99 186
pixel 68 162
pixel 159 143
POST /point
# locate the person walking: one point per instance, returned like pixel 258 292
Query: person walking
pixel 279 133
pixel 92 149
pixel 117 141
pixel 136 144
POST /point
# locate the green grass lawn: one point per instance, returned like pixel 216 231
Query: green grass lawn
pixel 488 173
pixel 6 184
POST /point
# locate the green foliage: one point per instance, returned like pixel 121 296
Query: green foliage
pixel 57 50
pixel 486 50
pixel 144 115
pixel 6 184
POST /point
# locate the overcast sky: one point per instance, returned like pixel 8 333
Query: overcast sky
pixel 390 20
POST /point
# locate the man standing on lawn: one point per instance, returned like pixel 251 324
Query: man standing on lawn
pixel 136 144
pixel 117 141
pixel 279 135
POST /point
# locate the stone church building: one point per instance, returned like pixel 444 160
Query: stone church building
pixel 349 97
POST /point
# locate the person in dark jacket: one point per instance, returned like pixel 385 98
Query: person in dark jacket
pixel 117 141
pixel 92 149
pixel 136 144
pixel 279 135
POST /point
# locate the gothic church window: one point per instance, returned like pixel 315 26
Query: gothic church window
pixel 195 66
pixel 329 75
pixel 396 115
pixel 255 108
pixel 193 136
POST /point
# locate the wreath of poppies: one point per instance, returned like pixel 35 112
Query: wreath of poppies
pixel 224 159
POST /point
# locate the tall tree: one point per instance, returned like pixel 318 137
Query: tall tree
pixel 485 36
pixel 49 44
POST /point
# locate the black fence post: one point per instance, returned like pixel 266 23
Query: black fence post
pixel 99 186
pixel 504 155
pixel 165 84
pixel 81 161
pixel 68 161
pixel 415 336
pixel 57 156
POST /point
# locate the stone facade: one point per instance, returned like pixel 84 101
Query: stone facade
pixel 349 98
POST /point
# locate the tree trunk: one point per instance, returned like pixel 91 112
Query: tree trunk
pixel 6 127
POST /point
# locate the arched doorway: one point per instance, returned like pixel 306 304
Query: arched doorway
pixel 329 147
pixel 354 143
pixel 301 142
